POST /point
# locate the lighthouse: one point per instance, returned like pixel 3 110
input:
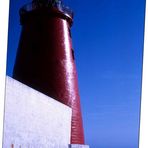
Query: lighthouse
pixel 45 57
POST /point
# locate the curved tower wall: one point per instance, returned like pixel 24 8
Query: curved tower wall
pixel 45 60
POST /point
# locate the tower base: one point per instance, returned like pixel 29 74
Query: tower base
pixel 78 146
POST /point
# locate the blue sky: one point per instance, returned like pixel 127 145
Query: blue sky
pixel 108 43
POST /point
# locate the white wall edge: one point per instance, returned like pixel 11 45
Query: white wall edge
pixel 4 9
pixel 143 142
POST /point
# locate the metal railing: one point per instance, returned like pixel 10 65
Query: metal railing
pixel 38 4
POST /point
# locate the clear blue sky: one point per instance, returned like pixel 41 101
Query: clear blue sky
pixel 108 42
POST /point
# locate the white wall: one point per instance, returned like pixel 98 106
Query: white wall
pixel 4 9
pixel 144 101
pixel 33 120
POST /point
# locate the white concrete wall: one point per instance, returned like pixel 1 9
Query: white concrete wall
pixel 33 120
pixel 78 146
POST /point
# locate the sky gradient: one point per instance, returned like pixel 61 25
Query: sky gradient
pixel 108 42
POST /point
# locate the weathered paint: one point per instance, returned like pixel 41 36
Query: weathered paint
pixel 45 61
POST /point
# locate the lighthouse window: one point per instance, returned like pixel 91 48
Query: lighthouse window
pixel 73 55
pixel 70 32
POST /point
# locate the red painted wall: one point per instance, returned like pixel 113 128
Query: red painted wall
pixel 45 61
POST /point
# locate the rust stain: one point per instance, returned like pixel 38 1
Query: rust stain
pixel 12 145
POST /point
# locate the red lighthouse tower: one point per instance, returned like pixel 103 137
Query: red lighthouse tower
pixel 45 58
